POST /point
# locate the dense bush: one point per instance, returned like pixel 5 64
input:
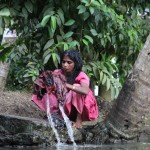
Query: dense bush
pixel 109 35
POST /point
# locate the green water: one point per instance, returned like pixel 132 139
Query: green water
pixel 140 146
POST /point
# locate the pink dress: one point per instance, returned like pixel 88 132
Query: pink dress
pixel 86 105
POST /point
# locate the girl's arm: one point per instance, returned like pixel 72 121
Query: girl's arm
pixel 82 89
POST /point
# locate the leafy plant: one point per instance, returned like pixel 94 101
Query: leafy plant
pixel 99 29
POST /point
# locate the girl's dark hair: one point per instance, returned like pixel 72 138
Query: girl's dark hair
pixel 75 56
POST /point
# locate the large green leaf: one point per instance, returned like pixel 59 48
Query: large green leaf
pixel 81 8
pixel 68 34
pixel 69 22
pixel 48 44
pixel 45 20
pixel 5 12
pixel 94 32
pixel 89 38
pixel 61 15
pixel 47 58
pixel 29 6
pixel 53 22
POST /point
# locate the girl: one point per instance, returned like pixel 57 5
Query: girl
pixel 77 98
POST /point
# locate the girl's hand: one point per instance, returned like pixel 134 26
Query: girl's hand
pixel 83 88
pixel 48 81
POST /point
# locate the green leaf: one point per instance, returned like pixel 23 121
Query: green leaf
pixel 48 44
pixel 61 15
pixel 68 34
pixel 95 3
pixel 81 8
pixel 12 56
pixel 65 46
pixel 110 67
pixel 55 59
pixel 53 22
pixel 5 12
pixel 69 22
pixel 89 38
pixel 72 44
pixel 104 79
pixel 7 21
pixel 103 42
pixel 85 42
pixel 33 78
pixel 94 32
pixel 59 38
pixel 94 70
pixel 46 58
pixel 46 53
pixel 84 1
pixel 101 2
pixel 45 20
pixel 11 22
pixel 58 57
pixel 91 10
pixel 84 69
pixel 93 64
pixel 121 37
pixel 51 33
pixel 113 39
pixel 49 11
pixel 108 84
pixel 86 15
pixel 29 6
pixel 26 29
pixel 101 75
pixel 108 37
pixel 26 75
pixel 88 67
pixel 58 20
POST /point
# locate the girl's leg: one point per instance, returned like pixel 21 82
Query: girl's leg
pixel 78 122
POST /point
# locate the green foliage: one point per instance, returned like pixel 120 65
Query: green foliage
pixel 4 51
pixel 104 73
pixel 101 30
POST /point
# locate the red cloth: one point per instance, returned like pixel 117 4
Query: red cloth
pixel 86 105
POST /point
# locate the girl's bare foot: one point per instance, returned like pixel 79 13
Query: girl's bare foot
pixel 78 123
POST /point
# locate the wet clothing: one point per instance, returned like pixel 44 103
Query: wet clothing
pixel 72 102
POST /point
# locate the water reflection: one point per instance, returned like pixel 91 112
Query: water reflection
pixel 141 146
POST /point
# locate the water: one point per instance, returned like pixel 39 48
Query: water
pixel 51 121
pixel 68 125
pixel 140 146
pixel 137 146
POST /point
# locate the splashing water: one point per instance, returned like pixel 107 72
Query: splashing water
pixel 50 120
pixel 68 125
pixel 67 121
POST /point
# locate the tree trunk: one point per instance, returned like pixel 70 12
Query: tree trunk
pixel 9 37
pixel 4 69
pixel 129 115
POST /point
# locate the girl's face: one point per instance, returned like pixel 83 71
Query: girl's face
pixel 67 65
